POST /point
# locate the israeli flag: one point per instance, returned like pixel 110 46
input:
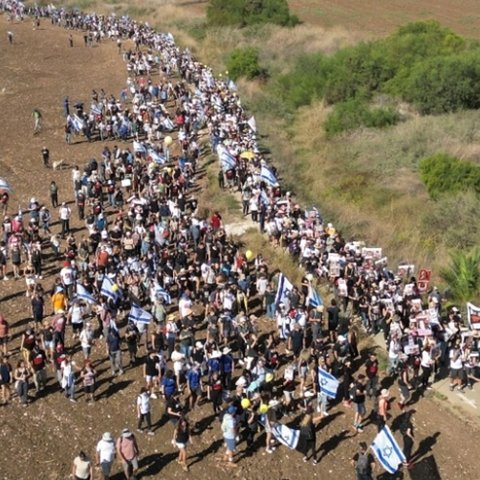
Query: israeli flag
pixel 227 160
pixel 264 198
pixel 76 123
pixel 139 147
pixel 161 292
pixel 285 435
pixel 168 124
pixel 313 298
pixel 267 175
pixel 110 289
pixel 283 290
pixel 328 383
pixel 139 315
pixel 387 451
pixel 95 109
pixel 155 156
pixel 84 294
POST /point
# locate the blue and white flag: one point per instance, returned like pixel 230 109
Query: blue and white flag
pixel 267 176
pixel 76 123
pixel 139 147
pixel 283 290
pixel 96 109
pixel 313 298
pixel 387 451
pixel 227 160
pixel 264 200
pixel 84 294
pixel 328 383
pixel 161 292
pixel 155 156
pixel 139 315
pixel 285 435
pixel 110 289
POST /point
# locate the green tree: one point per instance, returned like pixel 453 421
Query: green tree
pixel 463 275
pixel 244 62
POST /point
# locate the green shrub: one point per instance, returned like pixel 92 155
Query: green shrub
pixel 249 12
pixel 243 62
pixel 443 174
pixel 356 113
pixel 422 63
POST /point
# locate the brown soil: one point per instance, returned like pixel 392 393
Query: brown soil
pixel 377 17
pixel 40 441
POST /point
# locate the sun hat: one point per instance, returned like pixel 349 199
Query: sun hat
pixel 226 351
pixel 107 437
pixel 126 433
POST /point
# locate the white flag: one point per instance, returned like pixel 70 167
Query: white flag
pixel 283 290
pixel 252 123
pixel 387 451
pixel 139 315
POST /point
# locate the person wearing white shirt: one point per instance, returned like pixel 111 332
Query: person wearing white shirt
pixel 143 410
pixel 105 454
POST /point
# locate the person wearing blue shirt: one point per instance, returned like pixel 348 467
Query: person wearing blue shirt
pixel 194 382
pixel 169 384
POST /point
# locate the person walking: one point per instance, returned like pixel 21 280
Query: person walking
pixel 65 213
pixel 37 121
pixel 114 351
pixel 105 454
pixel 181 438
pixel 10 37
pixel 45 156
pixel 82 467
pixel 128 452
pixel 229 430
pixel 364 463
pixel 309 436
pixel 143 411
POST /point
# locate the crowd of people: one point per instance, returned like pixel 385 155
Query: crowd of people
pixel 149 272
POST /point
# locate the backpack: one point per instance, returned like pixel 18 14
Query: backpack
pixel 363 467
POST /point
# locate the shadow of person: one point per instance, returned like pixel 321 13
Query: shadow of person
pixel 151 465
pixel 332 443
pixel 212 449
pixel 425 446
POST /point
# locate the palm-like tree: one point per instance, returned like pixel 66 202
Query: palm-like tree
pixel 463 275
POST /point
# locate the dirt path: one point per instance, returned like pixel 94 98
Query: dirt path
pixel 40 441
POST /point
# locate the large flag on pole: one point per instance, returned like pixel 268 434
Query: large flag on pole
pixel 110 289
pixel 328 383
pixel 268 176
pixel 283 290
pixel 139 315
pixel 387 451
pixel 313 298
pixel 84 294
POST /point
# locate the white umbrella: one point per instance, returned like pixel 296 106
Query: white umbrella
pixel 4 185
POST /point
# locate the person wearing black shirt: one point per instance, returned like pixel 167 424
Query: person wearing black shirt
pixel 359 402
pixel 333 320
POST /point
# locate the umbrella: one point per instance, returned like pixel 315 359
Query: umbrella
pixel 248 155
pixel 4 185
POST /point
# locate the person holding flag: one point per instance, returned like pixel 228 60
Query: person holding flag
pixel 387 451
pixel 364 463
